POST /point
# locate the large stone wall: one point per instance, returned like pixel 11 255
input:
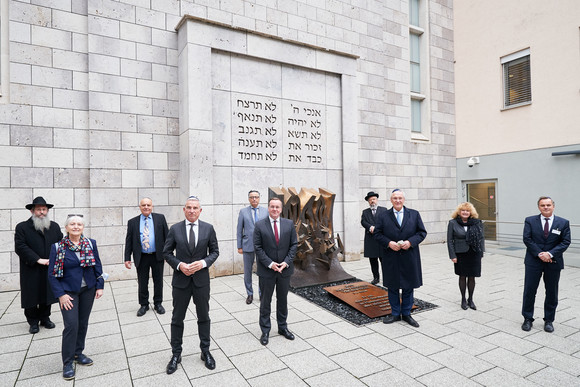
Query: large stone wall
pixel 94 115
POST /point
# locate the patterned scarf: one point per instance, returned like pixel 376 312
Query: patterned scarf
pixel 85 249
pixel 474 234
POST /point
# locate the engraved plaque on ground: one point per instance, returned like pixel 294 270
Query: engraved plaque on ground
pixel 364 297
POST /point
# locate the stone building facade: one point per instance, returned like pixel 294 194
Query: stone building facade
pixel 104 102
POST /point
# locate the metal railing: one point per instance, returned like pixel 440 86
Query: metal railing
pixel 510 234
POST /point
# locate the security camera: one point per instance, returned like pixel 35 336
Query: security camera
pixel 472 161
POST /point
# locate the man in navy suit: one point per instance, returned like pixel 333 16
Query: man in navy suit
pixel 145 239
pixel 399 232
pixel 546 237
pixel 275 243
pixel 196 249
pixel 245 237
pixel 372 250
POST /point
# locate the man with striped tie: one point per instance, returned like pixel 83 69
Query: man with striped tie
pixel 145 239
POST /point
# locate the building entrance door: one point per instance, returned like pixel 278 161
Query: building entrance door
pixel 482 196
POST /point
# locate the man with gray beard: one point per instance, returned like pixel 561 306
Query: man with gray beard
pixel 32 241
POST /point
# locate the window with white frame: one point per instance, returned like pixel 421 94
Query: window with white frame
pixel 419 66
pixel 517 84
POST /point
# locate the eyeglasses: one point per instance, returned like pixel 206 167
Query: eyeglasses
pixel 71 215
pixel 254 197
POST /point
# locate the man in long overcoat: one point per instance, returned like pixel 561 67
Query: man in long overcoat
pixel 372 249
pixel 32 241
pixel 399 232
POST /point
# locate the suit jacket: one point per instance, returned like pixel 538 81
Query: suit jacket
pixel 177 250
pixel 372 249
pixel 245 231
pixel 267 251
pixel 133 238
pixel 456 242
pixel 556 243
pixel 401 269
pixel 30 245
pixel 73 273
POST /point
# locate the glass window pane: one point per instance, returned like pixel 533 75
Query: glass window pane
pixel 517 83
pixel 415 115
pixel 415 48
pixel 414 13
pixel 415 78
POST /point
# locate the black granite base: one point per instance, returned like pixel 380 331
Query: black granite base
pixel 321 297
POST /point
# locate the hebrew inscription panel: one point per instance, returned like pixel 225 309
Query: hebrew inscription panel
pixel 272 132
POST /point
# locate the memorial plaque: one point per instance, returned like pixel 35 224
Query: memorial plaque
pixel 364 297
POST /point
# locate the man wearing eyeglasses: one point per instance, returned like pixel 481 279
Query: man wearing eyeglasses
pixel 245 236
pixel 32 241
pixel 145 239
pixel 196 249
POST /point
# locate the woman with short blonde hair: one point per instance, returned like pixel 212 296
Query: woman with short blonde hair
pixel 466 244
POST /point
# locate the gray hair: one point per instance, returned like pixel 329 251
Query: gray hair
pixel 77 217
pixel 194 199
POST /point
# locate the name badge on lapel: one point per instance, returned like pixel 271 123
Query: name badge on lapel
pixel 557 232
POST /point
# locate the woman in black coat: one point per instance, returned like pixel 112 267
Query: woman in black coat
pixel 466 245
pixel 76 277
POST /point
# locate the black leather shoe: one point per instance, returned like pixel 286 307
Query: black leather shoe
pixel 159 309
pixel 464 304
pixel 389 319
pixel 286 333
pixel 68 371
pixel 471 304
pixel 142 310
pixel 172 365
pixel 208 359
pixel 34 328
pixel 83 360
pixel 375 281
pixel 47 324
pixel 548 327
pixel 411 321
pixel 264 339
pixel 527 325
pixel 249 300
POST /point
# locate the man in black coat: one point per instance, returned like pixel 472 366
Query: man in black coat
pixel 372 249
pixel 399 232
pixel 145 239
pixel 32 241
pixel 275 244
pixel 191 248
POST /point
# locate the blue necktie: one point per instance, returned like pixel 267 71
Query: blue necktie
pixel 255 214
pixel 398 217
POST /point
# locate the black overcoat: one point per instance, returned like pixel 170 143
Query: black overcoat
pixel 401 269
pixel 372 247
pixel 30 245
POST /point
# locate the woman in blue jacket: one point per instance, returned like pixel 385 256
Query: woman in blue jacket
pixel 75 275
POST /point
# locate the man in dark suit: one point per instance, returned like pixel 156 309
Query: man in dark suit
pixel 196 249
pixel 245 237
pixel 399 232
pixel 546 237
pixel 275 243
pixel 32 241
pixel 145 239
pixel 372 249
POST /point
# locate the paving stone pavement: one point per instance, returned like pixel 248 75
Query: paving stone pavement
pixel 452 347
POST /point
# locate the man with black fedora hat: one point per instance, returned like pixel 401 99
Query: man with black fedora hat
pixel 32 241
pixel 371 248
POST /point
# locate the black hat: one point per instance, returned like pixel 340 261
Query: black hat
pixel 38 201
pixel 370 195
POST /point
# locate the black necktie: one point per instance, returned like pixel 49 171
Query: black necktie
pixel 546 228
pixel 191 237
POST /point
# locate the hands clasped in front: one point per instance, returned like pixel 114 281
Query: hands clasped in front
pixel 279 266
pixel 190 268
pixel 545 257
pixel 396 246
